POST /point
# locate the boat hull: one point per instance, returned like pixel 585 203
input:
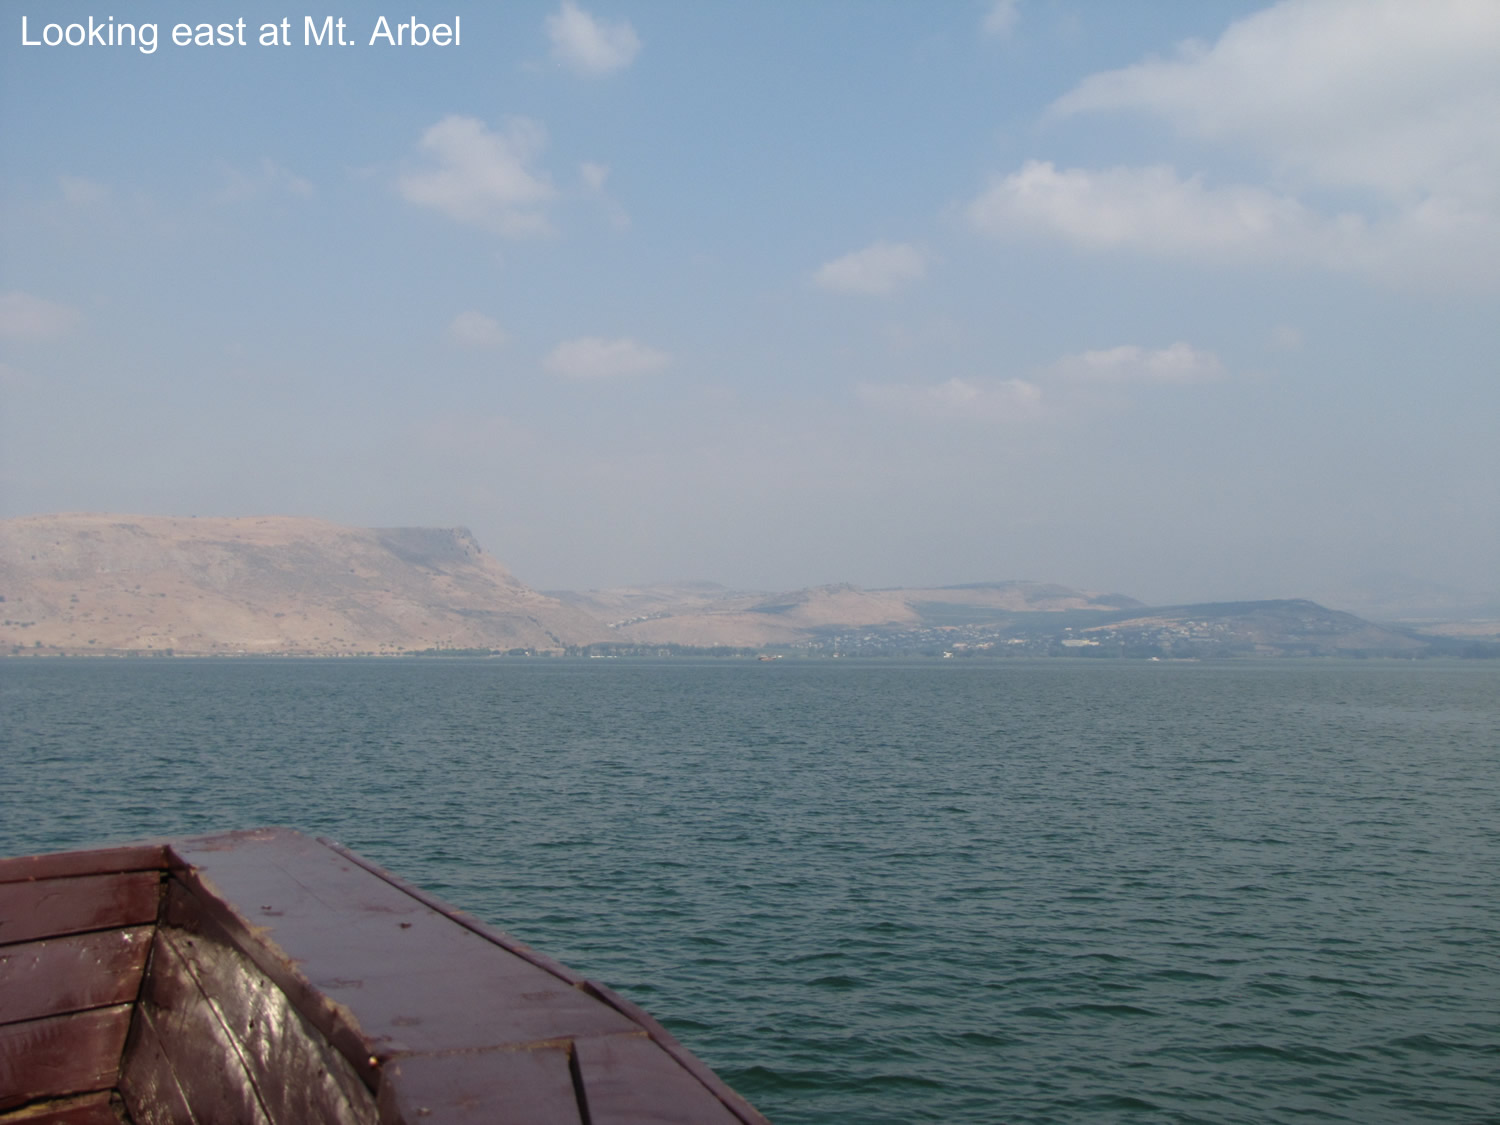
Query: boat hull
pixel 265 976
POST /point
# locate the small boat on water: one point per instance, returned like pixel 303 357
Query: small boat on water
pixel 267 977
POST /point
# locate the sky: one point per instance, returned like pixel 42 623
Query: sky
pixel 1182 300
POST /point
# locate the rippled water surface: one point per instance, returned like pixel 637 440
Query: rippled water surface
pixel 876 892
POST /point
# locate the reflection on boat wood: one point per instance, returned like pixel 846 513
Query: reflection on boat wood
pixel 265 976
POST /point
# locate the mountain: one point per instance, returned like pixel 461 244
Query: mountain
pixel 996 620
pixel 1285 627
pixel 1294 627
pixel 272 584
pixel 79 583
pixel 703 615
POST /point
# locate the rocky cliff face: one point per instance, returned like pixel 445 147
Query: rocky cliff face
pixel 99 583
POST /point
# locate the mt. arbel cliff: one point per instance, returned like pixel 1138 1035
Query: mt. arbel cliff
pixel 273 584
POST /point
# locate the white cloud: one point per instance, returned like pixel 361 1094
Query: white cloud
pixel 590 47
pixel 1152 209
pixel 1000 20
pixel 1395 103
pixel 1071 384
pixel 877 270
pixel 482 177
pixel 24 317
pixel 82 192
pixel 594 177
pixel 1389 95
pixel 1155 211
pixel 591 357
pixel 267 179
pixel 475 330
pixel 1128 363
pixel 975 400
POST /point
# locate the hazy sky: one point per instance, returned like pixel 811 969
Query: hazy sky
pixel 1184 300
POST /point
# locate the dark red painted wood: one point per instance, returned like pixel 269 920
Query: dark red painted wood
pixel 53 907
pixel 288 979
pixel 298 1078
pixel 203 1056
pixel 658 1034
pixel 468 922
pixel 85 1109
pixel 99 861
pixel 69 974
pixel 685 1058
pixel 523 1087
pixel 412 980
pixel 629 1080
pixel 147 1081
pixel 198 915
pixel 61 1055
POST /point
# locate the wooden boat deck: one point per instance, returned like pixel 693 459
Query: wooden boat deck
pixel 267 977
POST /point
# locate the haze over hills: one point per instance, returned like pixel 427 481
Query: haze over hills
pixel 704 615
pixel 90 583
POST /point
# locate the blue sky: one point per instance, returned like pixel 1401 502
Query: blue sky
pixel 1184 300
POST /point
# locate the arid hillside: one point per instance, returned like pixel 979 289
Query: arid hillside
pixel 110 584
pixel 274 584
pixel 703 615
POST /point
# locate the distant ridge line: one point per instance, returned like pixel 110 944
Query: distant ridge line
pixel 95 583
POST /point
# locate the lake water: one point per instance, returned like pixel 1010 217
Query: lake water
pixel 1059 891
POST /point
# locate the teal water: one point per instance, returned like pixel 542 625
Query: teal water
pixel 877 892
